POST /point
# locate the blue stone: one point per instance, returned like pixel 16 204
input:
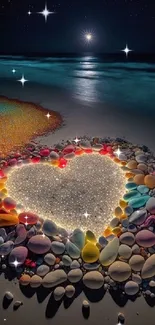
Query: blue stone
pixel 143 189
pixel 139 201
pixel 131 195
pixel 131 186
pixel 102 241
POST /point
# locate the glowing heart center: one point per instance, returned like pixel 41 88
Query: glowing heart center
pixel 84 194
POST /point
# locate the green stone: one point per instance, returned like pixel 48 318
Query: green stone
pixel 131 195
pixel 139 201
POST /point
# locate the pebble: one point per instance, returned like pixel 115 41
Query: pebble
pixel 139 202
pixel 93 280
pixel 128 211
pixel 119 271
pixel 66 260
pixel 58 293
pixel 148 269
pixel 121 318
pixel 136 278
pixel 114 222
pixel 9 203
pixel 49 228
pixel 75 275
pixel 42 270
pixel 150 205
pixel 135 249
pixel 24 280
pixel 125 251
pixel 18 254
pixel 78 238
pixel 118 212
pixel 57 247
pixel 8 295
pixel 127 238
pixel 6 248
pixel 69 291
pixel 136 262
pixel 75 265
pixel 139 179
pixel 3 233
pixel 50 259
pixel 152 283
pixel 109 254
pixel 72 250
pixel 17 304
pixel 28 217
pixel 35 281
pixel 131 195
pixel 91 267
pixel 140 158
pixel 143 189
pixel 145 238
pixel 39 244
pixel 131 186
pixel 142 167
pixel 1 240
pixel 90 253
pixel 138 217
pixel 132 164
pixel 85 304
pixel 131 288
pixel 102 241
pixel 149 181
pixel 90 237
pixel 54 278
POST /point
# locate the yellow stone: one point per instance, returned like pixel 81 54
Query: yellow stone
pixel 118 212
pixel 107 232
pixel 116 231
pixel 4 190
pixel 90 237
pixel 90 253
pixel 123 204
pixel 128 175
pixel 55 163
pixel 2 185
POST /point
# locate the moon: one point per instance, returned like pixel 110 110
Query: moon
pixel 88 37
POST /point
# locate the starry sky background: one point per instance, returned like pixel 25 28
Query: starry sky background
pixel 113 23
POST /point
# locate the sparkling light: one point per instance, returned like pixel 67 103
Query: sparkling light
pixel 15 263
pixel 86 214
pixel 117 152
pixel 29 12
pixel 76 140
pixel 22 80
pixel 48 115
pixel 13 70
pixel 88 37
pixel 126 50
pixel 91 183
pixel 45 12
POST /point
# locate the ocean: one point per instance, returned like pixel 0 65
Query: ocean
pixel 126 83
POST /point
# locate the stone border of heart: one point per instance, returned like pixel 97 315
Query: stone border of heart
pixel 43 254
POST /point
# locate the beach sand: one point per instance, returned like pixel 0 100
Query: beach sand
pixel 92 119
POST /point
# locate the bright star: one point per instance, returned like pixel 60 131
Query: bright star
pixel 26 223
pixel 126 50
pixel 13 70
pixel 76 140
pixel 29 12
pixel 117 152
pixel 86 214
pixel 45 12
pixel 48 115
pixel 22 80
pixel 88 37
pixel 15 263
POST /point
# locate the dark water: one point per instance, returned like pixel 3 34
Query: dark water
pixel 112 79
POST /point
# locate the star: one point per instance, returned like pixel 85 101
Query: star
pixel 76 140
pixel 117 152
pixel 86 214
pixel 15 263
pixel 48 115
pixel 45 12
pixel 126 50
pixel 13 70
pixel 88 37
pixel 22 80
pixel 26 223
pixel 26 217
pixel 29 12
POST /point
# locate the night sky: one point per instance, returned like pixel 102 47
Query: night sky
pixel 112 23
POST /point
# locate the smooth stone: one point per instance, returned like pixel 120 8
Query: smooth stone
pixel 145 238
pixel 152 283
pixel 17 304
pixel 125 223
pixel 91 267
pixel 18 254
pixel 141 158
pixel 39 244
pixel 35 281
pixel 69 291
pixel 114 222
pixel 97 147
pixel 50 259
pixel 8 295
pixel 54 155
pixel 127 238
pixel 103 241
pixel 3 233
pixel 125 251
pixel 138 217
pixel 1 240
pixel 131 186
pixel 6 248
pixel 121 318
pixel 49 228
pixel 136 262
pixel 139 202
pixel 57 247
pixel 135 249
pixel 85 145
pixel 142 167
pixel 118 212
pixel 150 205
pixel 58 293
pixel 42 270
pixel 131 195
pixel 149 181
pixel 78 238
pixel 109 254
pixel 148 269
pixel 119 271
pixel 10 236
pixel 72 250
pixel 143 189
pixel 137 171
pixel 136 278
pixel 132 228
pixel 66 260
pixel 131 288
pixel 85 304
pixel 139 179
pixel 32 232
pixel 62 232
pixel 75 265
pixel 132 164
pixel 128 211
pixel 122 157
pixel 90 253
pixel 54 278
pixel 75 276
pixel 28 217
pixel 93 280
pixel 24 280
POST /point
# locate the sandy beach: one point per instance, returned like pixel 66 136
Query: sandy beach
pixel 80 118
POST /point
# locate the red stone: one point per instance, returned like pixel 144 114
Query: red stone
pixel 12 162
pixel 103 152
pixel 109 149
pixel 62 163
pixel 35 160
pixel 28 217
pixel 68 149
pixel 79 151
pixel 44 152
pixel 88 150
pixel 1 174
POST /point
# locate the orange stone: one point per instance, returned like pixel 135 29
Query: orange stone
pixel 132 164
pixel 149 181
pixel 116 160
pixel 2 185
pixel 7 219
pixel 55 163
pixel 123 163
pixel 107 232
pixel 128 175
pixel 123 204
pixel 139 179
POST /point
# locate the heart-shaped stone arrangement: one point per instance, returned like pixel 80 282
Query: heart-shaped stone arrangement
pixel 44 253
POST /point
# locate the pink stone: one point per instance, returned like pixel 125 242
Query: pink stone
pixel 44 152
pixel 145 238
